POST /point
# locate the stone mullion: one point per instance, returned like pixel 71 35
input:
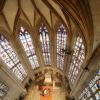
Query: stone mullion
pixel 53 43
pixel 37 46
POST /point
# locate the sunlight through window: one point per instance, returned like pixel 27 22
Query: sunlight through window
pixel 28 46
pixel 61 45
pixel 10 58
pixel 45 44
pixel 77 59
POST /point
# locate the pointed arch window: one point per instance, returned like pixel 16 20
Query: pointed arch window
pixel 77 59
pixel 28 46
pixel 92 89
pixel 61 45
pixel 45 43
pixel 10 58
pixel 3 89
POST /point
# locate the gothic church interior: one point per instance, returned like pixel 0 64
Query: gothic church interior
pixel 49 49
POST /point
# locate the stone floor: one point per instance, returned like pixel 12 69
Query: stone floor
pixel 33 94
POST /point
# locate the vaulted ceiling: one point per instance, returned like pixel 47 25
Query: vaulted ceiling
pixel 48 17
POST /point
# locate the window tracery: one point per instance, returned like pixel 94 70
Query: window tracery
pixel 93 89
pixel 10 58
pixel 28 46
pixel 85 94
pixel 45 43
pixel 77 59
pixel 61 45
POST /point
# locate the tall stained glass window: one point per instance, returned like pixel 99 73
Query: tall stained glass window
pixel 10 58
pixel 61 45
pixel 77 59
pixel 3 89
pixel 45 43
pixel 28 46
pixel 91 92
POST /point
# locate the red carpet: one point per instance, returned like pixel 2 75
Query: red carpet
pixel 48 95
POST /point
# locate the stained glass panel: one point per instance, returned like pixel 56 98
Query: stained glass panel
pixel 92 89
pixel 85 94
pixel 10 58
pixel 28 46
pixel 45 43
pixel 77 59
pixel 61 45
pixel 3 89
